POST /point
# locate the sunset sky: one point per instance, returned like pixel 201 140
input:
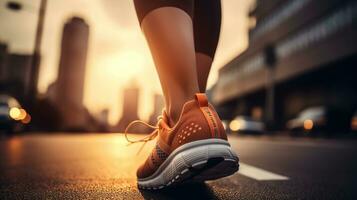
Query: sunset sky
pixel 118 55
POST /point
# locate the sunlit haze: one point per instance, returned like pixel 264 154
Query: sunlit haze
pixel 118 55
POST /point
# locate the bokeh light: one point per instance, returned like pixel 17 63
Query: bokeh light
pixel 235 125
pixel 308 124
pixel 15 113
pixel 27 119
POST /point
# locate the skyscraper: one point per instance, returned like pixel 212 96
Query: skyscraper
pixel 71 74
pixel 69 86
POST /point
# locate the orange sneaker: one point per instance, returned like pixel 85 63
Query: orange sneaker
pixel 195 149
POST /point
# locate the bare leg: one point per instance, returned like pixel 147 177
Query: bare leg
pixel 169 33
pixel 204 63
pixel 206 25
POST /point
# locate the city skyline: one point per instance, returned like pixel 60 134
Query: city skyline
pixel 117 49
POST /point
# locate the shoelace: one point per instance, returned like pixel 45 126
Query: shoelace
pixel 149 137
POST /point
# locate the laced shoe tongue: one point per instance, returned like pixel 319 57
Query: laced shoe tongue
pixel 145 139
pixel 161 124
pixel 165 116
pixel 164 122
pixel 149 137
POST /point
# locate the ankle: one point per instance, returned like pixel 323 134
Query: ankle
pixel 173 117
pixel 174 112
pixel 175 108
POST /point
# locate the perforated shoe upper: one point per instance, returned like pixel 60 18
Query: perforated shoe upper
pixel 198 121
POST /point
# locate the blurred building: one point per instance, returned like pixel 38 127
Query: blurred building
pixel 67 91
pixel 3 59
pixel 301 53
pixel 103 116
pixel 17 74
pixel 158 106
pixel 14 73
pixel 102 120
pixel 130 109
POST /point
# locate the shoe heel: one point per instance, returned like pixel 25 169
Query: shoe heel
pixel 211 161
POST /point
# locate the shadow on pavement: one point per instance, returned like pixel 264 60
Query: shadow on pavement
pixel 186 191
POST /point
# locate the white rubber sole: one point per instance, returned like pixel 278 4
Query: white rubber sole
pixel 196 161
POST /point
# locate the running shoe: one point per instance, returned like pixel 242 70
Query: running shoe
pixel 194 149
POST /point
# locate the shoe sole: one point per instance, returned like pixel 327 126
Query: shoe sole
pixel 201 160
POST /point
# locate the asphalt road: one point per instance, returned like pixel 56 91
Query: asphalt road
pixel 102 166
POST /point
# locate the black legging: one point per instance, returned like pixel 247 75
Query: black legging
pixel 205 14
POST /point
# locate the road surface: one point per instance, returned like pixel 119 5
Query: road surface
pixel 102 166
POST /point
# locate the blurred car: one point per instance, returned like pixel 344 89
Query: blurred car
pixel 12 115
pixel 245 124
pixel 310 119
